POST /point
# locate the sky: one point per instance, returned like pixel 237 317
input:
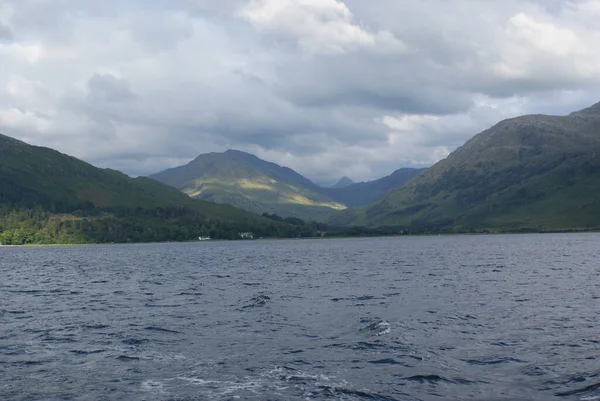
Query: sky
pixel 327 87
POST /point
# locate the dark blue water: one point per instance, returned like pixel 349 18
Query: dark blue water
pixel 429 318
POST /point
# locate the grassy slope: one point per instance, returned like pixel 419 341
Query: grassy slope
pixel 540 172
pixel 53 176
pixel 253 184
pixel 247 182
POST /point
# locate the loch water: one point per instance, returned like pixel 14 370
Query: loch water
pixel 502 317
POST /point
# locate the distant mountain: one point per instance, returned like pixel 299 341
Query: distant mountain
pixel 363 193
pixel 49 197
pixel 343 183
pixel 244 180
pixel 533 172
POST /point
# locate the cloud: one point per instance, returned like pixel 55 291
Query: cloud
pixel 106 88
pixel 328 87
pixel 25 120
pixel 317 25
pixel 6 34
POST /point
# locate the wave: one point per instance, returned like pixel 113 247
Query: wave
pixel 338 392
pixel 379 327
pixel 491 361
pixel 128 358
pixel 591 388
pixel 433 378
pixel 161 329
pixel 84 352
pixel 257 301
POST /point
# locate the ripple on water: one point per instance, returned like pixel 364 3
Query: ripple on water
pixel 135 341
pixel 433 378
pixel 161 330
pixel 389 361
pixel 257 301
pixel 492 361
pixel 376 327
pixel 128 358
pixel 586 393
pixel 87 352
pixel 182 322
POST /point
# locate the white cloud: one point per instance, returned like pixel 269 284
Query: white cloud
pixel 317 25
pixel 31 53
pixel 537 49
pixel 534 48
pixel 544 36
pixel 24 120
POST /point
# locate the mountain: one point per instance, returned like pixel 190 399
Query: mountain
pixel 363 193
pixel 46 196
pixel 343 183
pixel 534 172
pixel 244 180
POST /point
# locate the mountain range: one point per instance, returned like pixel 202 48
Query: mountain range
pixel 530 173
pixel 245 181
pixel 534 172
pixel 50 197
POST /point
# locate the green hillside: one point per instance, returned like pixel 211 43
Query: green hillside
pixel 247 182
pixel 533 172
pixel 49 197
pixel 244 180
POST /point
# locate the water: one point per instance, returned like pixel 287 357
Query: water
pixel 423 318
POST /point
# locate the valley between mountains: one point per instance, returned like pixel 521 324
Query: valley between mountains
pixel 529 173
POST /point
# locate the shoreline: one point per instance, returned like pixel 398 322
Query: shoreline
pixel 307 238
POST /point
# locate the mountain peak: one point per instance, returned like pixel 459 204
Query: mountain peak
pixel 343 182
pixel 235 152
pixel 243 179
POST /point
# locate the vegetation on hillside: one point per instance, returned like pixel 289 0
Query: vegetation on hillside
pixel 247 182
pixel 48 197
pixel 533 173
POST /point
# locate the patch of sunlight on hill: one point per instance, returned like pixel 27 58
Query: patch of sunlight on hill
pixel 302 200
pixel 247 184
pixel 213 184
pixel 257 191
pixel 193 194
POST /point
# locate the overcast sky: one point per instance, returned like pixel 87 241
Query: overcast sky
pixel 327 87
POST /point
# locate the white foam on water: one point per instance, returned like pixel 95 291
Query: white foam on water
pixel 158 356
pixel 594 398
pixel 153 385
pixel 286 375
pixel 201 382
pixel 385 328
pixel 274 381
pixel 224 387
